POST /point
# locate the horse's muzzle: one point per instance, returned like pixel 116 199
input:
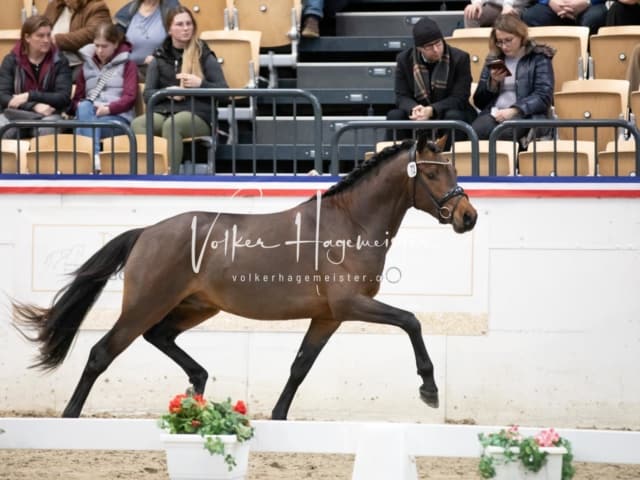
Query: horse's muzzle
pixel 464 217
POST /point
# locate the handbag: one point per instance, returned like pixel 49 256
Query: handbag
pixel 18 114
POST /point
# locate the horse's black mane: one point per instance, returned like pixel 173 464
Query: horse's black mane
pixel 365 167
pixel 378 159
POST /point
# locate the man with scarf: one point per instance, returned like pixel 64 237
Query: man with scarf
pixel 433 81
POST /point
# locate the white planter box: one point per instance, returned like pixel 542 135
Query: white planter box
pixel 551 470
pixel 187 459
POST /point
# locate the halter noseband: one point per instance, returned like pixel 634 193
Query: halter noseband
pixel 444 212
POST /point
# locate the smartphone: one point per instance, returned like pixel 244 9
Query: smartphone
pixel 499 64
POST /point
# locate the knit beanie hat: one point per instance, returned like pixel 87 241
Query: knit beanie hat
pixel 426 31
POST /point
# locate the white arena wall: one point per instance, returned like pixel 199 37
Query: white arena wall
pixel 533 318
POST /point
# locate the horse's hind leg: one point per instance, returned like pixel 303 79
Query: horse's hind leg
pixel 100 357
pixel 131 324
pixel 319 332
pixel 163 336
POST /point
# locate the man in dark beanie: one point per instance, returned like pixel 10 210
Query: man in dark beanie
pixel 433 81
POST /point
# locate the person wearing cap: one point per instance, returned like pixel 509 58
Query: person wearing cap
pixel 482 13
pixel 432 81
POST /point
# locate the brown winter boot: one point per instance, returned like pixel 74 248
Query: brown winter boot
pixel 311 27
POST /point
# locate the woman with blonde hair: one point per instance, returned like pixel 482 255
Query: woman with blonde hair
pixel 517 80
pixel 183 61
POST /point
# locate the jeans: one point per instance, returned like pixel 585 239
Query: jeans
pixel 87 112
pixel 313 7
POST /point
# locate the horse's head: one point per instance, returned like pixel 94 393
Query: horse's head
pixel 435 186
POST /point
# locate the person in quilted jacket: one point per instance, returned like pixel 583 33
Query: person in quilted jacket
pixel 517 80
pixel 35 79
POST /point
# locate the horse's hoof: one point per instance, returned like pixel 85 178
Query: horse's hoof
pixel 429 397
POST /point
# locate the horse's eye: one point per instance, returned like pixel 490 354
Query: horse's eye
pixel 431 175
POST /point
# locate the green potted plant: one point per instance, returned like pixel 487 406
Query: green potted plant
pixel 206 439
pixel 508 455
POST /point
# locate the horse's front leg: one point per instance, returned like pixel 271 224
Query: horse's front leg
pixel 318 333
pixel 366 309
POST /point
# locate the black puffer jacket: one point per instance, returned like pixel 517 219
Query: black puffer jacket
pixel 534 83
pixel 53 87
pixel 161 73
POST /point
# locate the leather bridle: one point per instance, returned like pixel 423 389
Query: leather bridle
pixel 445 214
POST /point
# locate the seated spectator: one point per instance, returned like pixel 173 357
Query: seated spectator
pixel 107 85
pixel 74 26
pixel 183 61
pixel 482 13
pixel 623 12
pixel 586 13
pixel 35 79
pixel 432 80
pixel 143 23
pixel 521 86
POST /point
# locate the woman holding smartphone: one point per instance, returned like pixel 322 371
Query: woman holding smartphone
pixel 516 81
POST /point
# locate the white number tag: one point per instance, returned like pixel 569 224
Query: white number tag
pixel 412 169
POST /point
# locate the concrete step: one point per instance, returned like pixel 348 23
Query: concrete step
pixel 300 130
pixel 399 24
pixel 349 75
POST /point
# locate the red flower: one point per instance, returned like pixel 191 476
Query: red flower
pixel 176 403
pixel 199 399
pixel 240 407
pixel 195 423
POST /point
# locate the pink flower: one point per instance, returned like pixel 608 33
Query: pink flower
pixel 547 438
pixel 514 433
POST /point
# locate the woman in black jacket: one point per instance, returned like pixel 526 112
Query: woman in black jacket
pixel 183 61
pixel 517 79
pixel 35 79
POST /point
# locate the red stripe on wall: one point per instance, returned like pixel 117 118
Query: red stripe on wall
pixel 246 191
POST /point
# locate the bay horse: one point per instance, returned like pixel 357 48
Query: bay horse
pixel 321 260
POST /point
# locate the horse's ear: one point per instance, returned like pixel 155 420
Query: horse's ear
pixel 441 142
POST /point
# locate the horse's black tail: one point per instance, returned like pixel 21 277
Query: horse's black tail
pixel 57 326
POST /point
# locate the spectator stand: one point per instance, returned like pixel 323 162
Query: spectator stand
pixel 552 158
pixel 249 157
pixel 453 128
pixel 14 13
pixel 351 74
pixel 61 152
pixel 558 157
pixel 610 51
pixel 353 71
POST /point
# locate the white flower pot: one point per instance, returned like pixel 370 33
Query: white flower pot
pixel 187 459
pixel 551 470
